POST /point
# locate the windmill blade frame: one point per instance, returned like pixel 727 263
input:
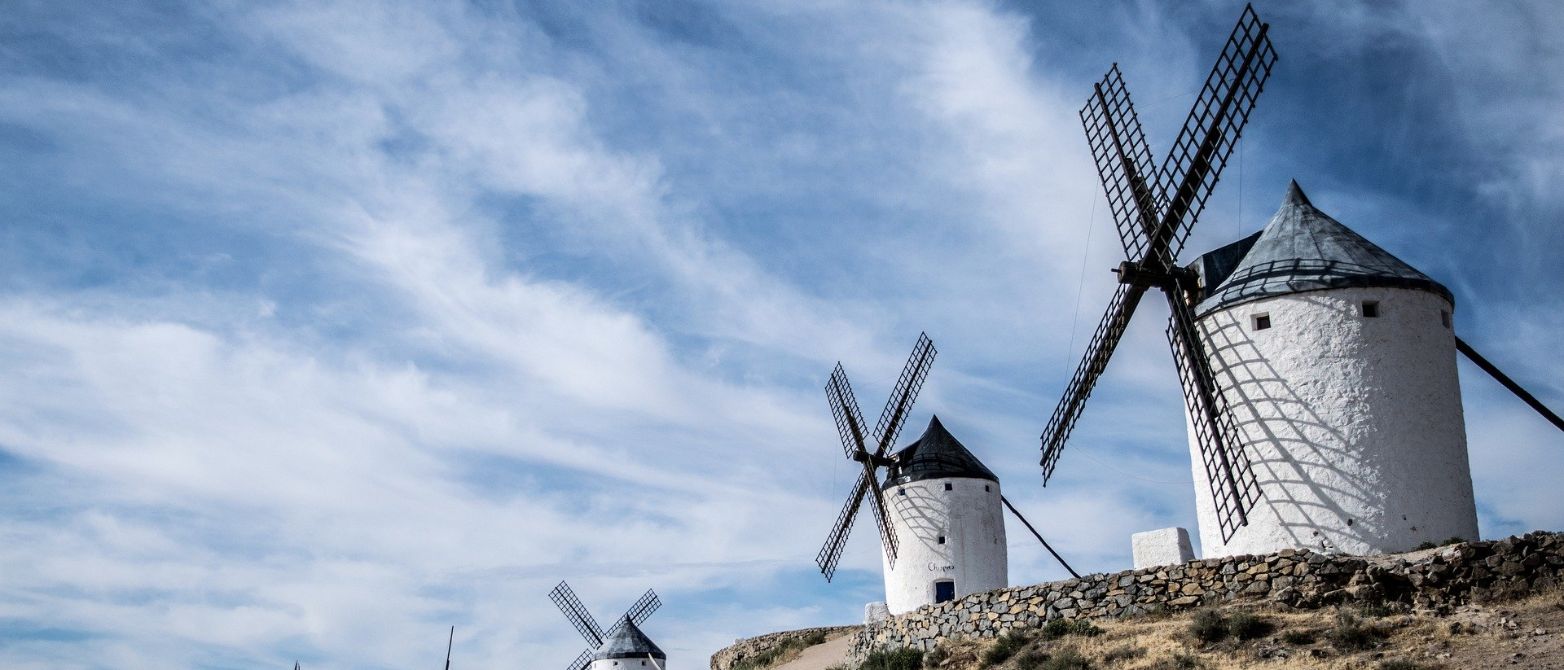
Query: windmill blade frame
pixel 1234 489
pixel 567 602
pixel 1123 161
pixel 1215 123
pixel 905 393
pixel 849 422
pixel 881 519
pixel 1104 340
pixel 639 611
pixel 1188 175
pixel 835 542
pixel 845 412
pixel 581 661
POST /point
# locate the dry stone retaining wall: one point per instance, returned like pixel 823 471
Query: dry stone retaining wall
pixel 1434 580
pixel 726 658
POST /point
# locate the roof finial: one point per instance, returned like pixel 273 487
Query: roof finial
pixel 1295 195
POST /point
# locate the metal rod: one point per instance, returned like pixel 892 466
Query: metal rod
pixel 448 642
pixel 1463 347
pixel 1039 536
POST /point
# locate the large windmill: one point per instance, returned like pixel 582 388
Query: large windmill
pixel 1155 209
pixel 622 642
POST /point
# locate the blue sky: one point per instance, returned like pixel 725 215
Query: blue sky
pixel 329 325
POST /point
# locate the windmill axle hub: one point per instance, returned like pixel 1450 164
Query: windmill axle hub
pixel 871 459
pixel 1147 275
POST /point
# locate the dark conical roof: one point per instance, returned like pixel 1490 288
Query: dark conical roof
pixel 1301 249
pixel 936 455
pixel 627 641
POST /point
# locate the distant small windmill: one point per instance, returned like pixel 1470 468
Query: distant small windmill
pixel 936 497
pixel 1155 209
pixel 623 642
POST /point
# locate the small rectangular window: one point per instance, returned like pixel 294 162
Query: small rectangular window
pixel 1262 321
pixel 901 492
pixel 947 486
pixel 1444 318
pixel 985 487
pixel 1370 309
pixel 942 539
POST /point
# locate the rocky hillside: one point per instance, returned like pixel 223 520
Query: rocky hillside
pixel 1451 606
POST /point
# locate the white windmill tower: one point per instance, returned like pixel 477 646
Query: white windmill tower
pixel 939 510
pixel 624 646
pixel 1338 362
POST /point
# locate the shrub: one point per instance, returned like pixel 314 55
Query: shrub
pixel 1424 545
pixel 1208 626
pixel 812 639
pixel 933 657
pixel 900 659
pixel 1246 626
pixel 1177 662
pixel 1124 653
pixel 1403 665
pixel 1352 634
pixel 1003 648
pixel 1376 610
pixel 1298 637
pixel 1067 659
pixel 1061 627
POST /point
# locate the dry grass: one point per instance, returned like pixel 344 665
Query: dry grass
pixel 1316 640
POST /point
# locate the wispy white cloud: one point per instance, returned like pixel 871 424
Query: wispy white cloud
pixel 332 325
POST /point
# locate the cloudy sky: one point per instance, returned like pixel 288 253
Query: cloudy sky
pixel 326 326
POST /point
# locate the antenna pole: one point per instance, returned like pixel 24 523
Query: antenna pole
pixel 1037 535
pixel 1508 383
pixel 448 642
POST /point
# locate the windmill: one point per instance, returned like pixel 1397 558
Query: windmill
pixel 623 641
pixel 1154 210
pixel 938 508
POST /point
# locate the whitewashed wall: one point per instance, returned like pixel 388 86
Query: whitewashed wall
pixel 1353 424
pixel 974 553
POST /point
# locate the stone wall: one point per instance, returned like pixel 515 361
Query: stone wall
pixel 725 658
pixel 1434 579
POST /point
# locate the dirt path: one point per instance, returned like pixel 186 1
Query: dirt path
pixel 821 656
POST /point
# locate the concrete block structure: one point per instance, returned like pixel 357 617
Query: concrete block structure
pixel 1165 546
pixel 944 506
pixel 1338 363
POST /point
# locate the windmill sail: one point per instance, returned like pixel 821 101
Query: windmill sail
pixel 1154 212
pixel 849 427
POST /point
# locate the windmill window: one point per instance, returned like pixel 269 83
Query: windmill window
pixel 944 591
pixel 1444 318
pixel 985 487
pixel 1262 321
pixel 901 492
pixel 942 539
pixel 1370 309
pixel 947 486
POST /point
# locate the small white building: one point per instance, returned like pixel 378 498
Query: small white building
pixel 627 648
pixel 1338 362
pixel 950 529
